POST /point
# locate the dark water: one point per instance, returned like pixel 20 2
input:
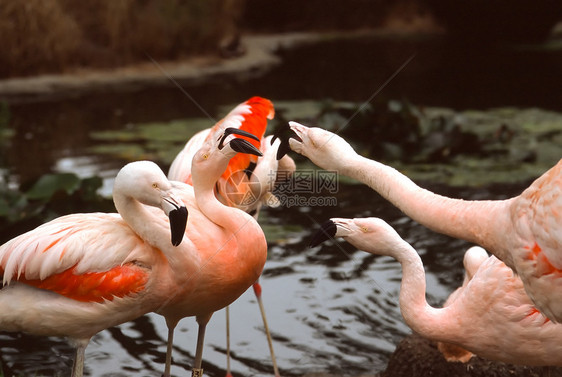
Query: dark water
pixel 330 308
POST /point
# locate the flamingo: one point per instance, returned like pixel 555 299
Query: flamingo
pixel 525 231
pixel 224 250
pixel 248 181
pixel 82 273
pixel 490 315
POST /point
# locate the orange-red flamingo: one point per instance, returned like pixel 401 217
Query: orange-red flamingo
pixel 82 273
pixel 525 232
pixel 248 181
pixel 490 315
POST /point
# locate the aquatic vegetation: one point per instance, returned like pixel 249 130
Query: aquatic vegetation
pixel 459 148
pixel 158 141
pixel 52 195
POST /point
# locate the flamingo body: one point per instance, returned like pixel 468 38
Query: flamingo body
pixel 490 315
pixel 227 246
pixel 227 262
pixel 248 181
pixel 525 232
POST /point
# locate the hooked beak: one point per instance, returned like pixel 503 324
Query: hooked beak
pixel 243 146
pixel 240 145
pixel 335 227
pixel 284 133
pixel 236 131
pixel 327 231
pixel 177 213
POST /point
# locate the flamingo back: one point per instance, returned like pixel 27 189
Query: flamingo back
pixel 542 204
pixel 250 116
pixel 180 170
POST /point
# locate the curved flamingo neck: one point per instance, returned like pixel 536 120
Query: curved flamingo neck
pixel 430 322
pixel 144 224
pixel 226 217
pixel 478 221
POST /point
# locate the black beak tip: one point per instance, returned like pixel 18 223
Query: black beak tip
pixel 284 133
pixel 178 222
pixel 243 146
pixel 327 231
pixel 236 131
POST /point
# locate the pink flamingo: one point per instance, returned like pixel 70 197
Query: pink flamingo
pixel 490 315
pixel 82 273
pixel 247 183
pixel 227 248
pixel 525 232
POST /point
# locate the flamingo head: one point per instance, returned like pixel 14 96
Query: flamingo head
pixel 212 158
pixel 145 182
pixel 371 234
pixel 326 149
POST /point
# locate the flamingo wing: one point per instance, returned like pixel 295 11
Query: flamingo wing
pixel 250 116
pixel 180 170
pixel 86 257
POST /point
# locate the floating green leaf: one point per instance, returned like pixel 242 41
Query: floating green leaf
pixel 49 184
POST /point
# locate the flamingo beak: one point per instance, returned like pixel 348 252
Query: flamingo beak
pixel 284 133
pixel 178 222
pixel 177 213
pixel 235 131
pixel 240 145
pixel 326 232
pixel 243 146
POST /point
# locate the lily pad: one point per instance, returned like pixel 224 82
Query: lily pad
pixel 130 152
pixel 467 148
pixel 153 140
pixel 49 184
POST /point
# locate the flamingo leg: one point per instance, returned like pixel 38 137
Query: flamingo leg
pixel 197 369
pixel 167 369
pixel 227 311
pixel 257 291
pixel 78 365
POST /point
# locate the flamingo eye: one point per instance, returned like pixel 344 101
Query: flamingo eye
pixel 205 156
pixel 155 185
pixel 364 229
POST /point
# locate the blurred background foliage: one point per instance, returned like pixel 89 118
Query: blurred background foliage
pixel 41 36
